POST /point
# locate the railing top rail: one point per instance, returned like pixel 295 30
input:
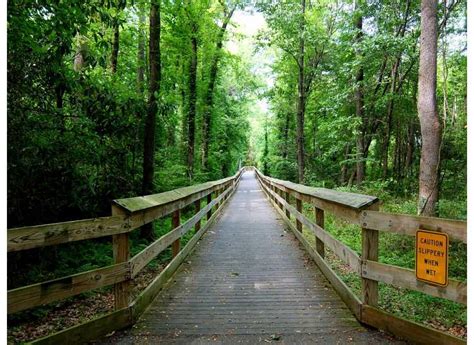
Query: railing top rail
pixel 141 203
pixel 352 200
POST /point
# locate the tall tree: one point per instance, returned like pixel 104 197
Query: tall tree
pixel 150 123
pixel 141 57
pixel 427 111
pixel 209 95
pixel 301 97
pixel 359 99
pixel 192 99
pixel 116 40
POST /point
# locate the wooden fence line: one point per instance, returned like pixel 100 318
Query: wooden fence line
pixel 366 214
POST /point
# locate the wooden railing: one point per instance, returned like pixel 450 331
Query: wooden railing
pixel 127 215
pixel 364 211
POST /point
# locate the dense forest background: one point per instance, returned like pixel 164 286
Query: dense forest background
pixel 116 98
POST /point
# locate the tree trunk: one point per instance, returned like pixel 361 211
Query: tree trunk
pixel 359 103
pixel 343 177
pixel 209 98
pixel 301 99
pixel 141 53
pixel 150 123
pixel 285 135
pixel 192 102
pixel 427 111
pixel 115 48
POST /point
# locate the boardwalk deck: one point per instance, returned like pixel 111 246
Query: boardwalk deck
pixel 248 281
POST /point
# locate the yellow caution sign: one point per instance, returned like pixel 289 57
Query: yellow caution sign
pixel 432 257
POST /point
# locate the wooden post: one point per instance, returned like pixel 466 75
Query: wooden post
pixel 319 214
pixel 209 200
pixel 216 194
pixel 370 251
pixel 299 208
pixel 174 224
pixel 287 198
pixel 197 208
pixel 121 252
pixel 280 193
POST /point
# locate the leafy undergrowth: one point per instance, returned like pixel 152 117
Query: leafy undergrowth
pixel 399 250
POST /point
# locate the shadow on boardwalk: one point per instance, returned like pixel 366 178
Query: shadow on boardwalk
pixel 248 282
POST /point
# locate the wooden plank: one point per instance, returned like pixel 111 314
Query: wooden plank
pixel 299 208
pixel 414 332
pixel 175 221
pixel 148 295
pixel 197 208
pixel 343 212
pixel 370 251
pixel 89 330
pixel 141 259
pixel 349 298
pixel 141 203
pixel 408 225
pixel 287 199
pixel 148 208
pixel 57 289
pixel 209 200
pixel 344 252
pixel 121 251
pixel 403 277
pixel 351 200
pixel 52 234
pixel 319 216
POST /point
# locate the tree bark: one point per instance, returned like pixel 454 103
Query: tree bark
pixel 141 53
pixel 150 123
pixel 192 102
pixel 115 48
pixel 359 103
pixel 427 111
pixel 301 99
pixel 209 97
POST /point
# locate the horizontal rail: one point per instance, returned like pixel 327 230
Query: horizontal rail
pixel 141 203
pixel 42 293
pixel 347 213
pixel 408 225
pixel 159 205
pixel 344 252
pixel 146 255
pixel 101 326
pixel 140 218
pixel 349 200
pixel 52 234
pixel 405 278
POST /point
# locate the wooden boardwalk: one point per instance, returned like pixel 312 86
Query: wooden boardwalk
pixel 248 281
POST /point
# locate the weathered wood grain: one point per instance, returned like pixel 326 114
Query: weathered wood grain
pixel 121 252
pixel 344 252
pixel 53 234
pixel 349 298
pixel 140 260
pixel 57 289
pixel 406 329
pixel 351 200
pixel 408 225
pixel 319 217
pixel 249 278
pixel 403 277
pixel 148 295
